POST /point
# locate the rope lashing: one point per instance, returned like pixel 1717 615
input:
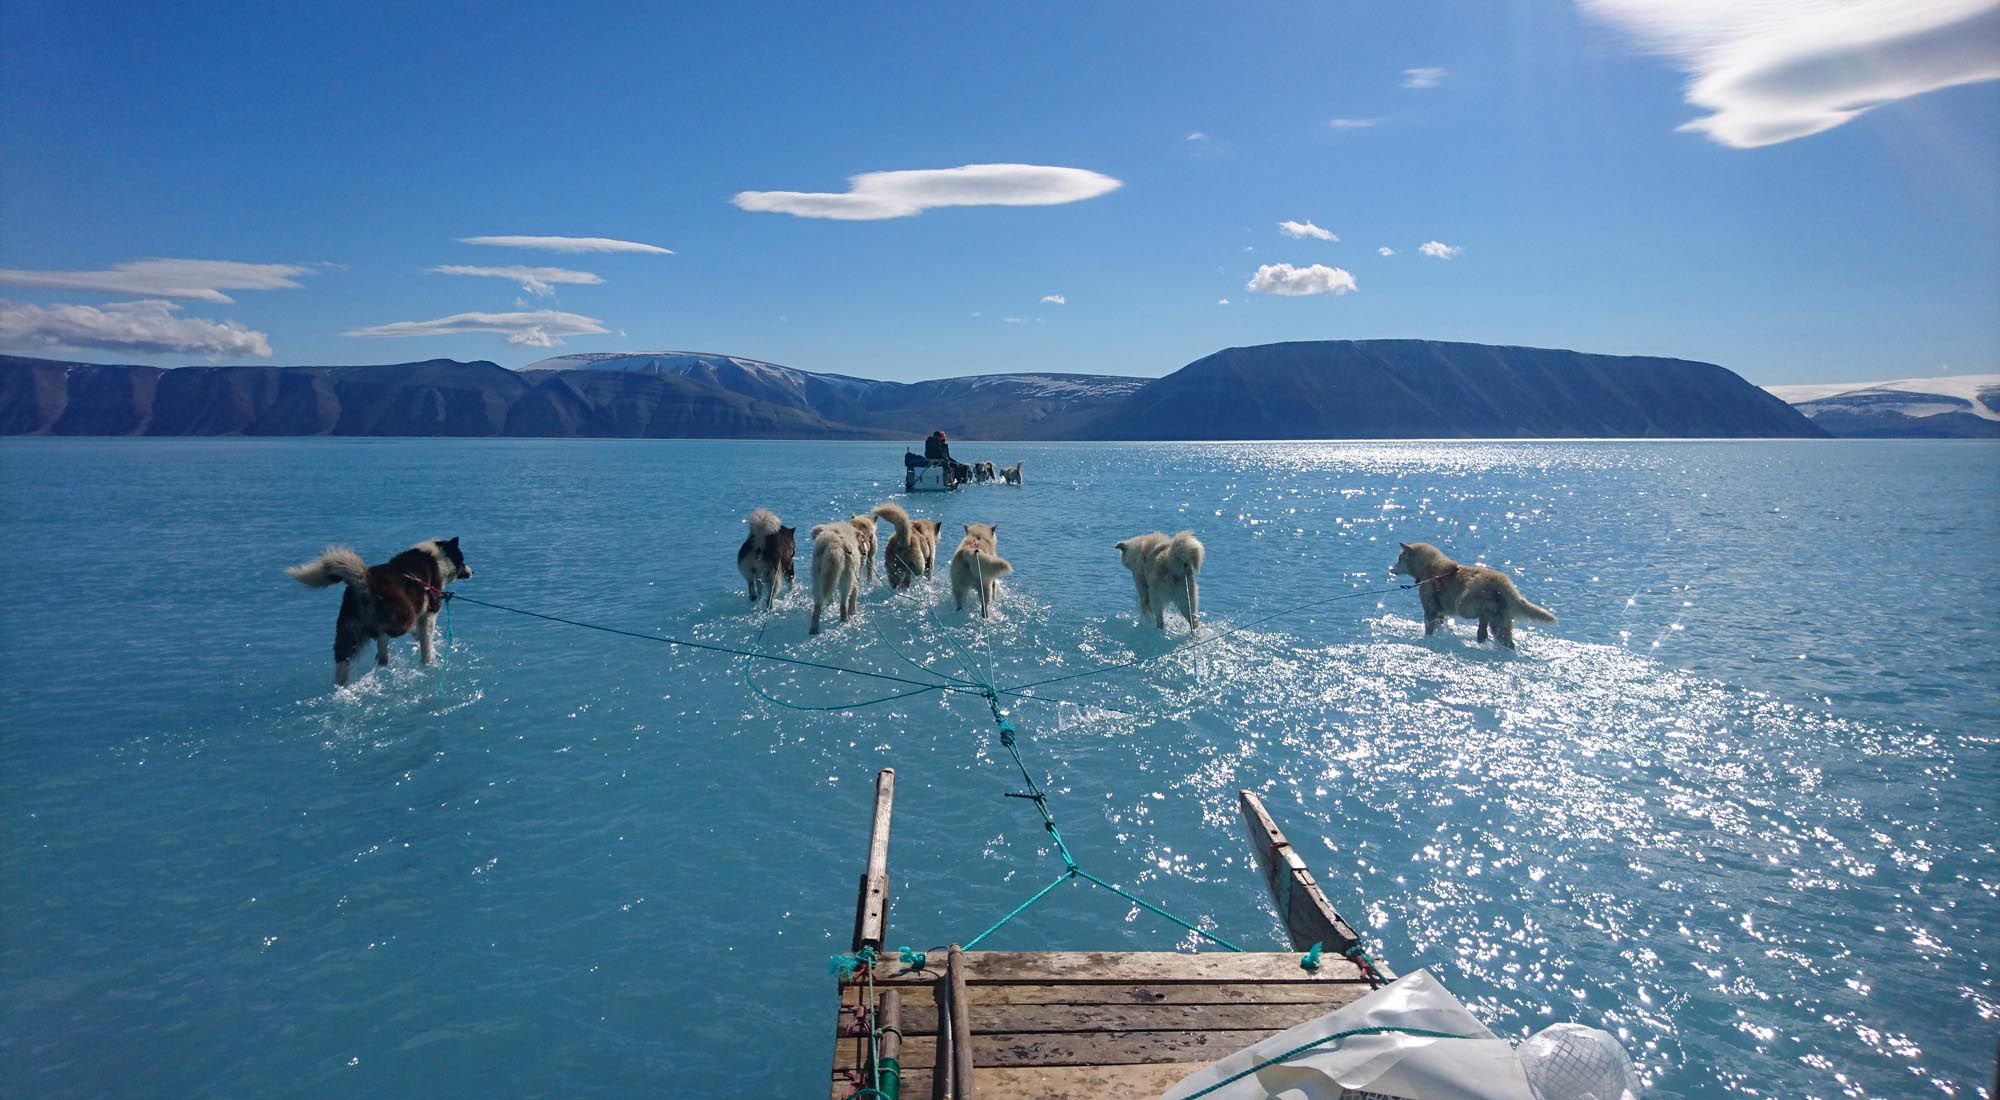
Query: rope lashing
pixel 912 959
pixel 1387 1029
pixel 1310 962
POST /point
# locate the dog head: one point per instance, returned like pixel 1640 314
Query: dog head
pixel 1418 559
pixel 453 560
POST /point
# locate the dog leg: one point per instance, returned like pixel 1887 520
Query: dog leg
pixel 1193 608
pixel 814 628
pixel 1431 625
pixel 1482 628
pixel 381 651
pixel 426 651
pixel 1503 631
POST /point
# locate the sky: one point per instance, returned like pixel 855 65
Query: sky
pixel 1800 190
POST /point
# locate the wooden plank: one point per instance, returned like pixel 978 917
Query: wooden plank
pixel 1096 1048
pixel 1126 968
pixel 988 1018
pixel 1308 916
pixel 1055 1082
pixel 962 1059
pixel 871 907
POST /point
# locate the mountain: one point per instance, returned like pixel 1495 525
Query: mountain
pixel 1424 389
pixel 1964 406
pixel 1367 389
pixel 986 406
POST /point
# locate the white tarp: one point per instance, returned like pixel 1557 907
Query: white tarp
pixel 1484 1067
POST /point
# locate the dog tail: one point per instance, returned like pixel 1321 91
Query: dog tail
pixel 763 524
pixel 991 566
pixel 1184 553
pixel 1530 611
pixel 338 565
pixel 897 518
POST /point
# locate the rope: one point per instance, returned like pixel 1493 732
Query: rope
pixel 662 638
pixel 1387 1029
pixel 770 698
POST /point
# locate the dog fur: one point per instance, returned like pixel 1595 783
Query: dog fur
pixel 984 472
pixel 1486 596
pixel 912 548
pixel 1011 474
pixel 767 551
pixel 384 601
pixel 836 569
pixel 976 566
pixel 864 537
pixel 1163 572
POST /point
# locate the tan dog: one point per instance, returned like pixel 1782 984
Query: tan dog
pixel 1163 571
pixel 911 550
pixel 976 566
pixel 864 536
pixel 836 569
pixel 1486 596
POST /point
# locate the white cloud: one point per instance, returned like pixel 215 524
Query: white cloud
pixel 148 327
pixel 535 280
pixel 872 196
pixel 1055 299
pixel 1015 320
pixel 197 280
pixel 1425 77
pixel 541 328
pixel 1386 250
pixel 1197 136
pixel 1777 70
pixel 1353 123
pixel 1305 229
pixel 570 244
pixel 1222 301
pixel 1294 282
pixel 1439 250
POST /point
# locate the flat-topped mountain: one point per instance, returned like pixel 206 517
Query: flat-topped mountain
pixel 1424 389
pixel 1345 389
pixel 1957 406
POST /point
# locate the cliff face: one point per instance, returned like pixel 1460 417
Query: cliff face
pixel 1374 389
pixel 1418 389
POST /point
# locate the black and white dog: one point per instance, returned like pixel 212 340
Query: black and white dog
pixel 385 601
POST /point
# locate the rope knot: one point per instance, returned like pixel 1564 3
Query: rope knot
pixel 1310 963
pixel 1007 733
pixel 912 959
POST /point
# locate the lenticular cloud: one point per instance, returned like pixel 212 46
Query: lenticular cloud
pixel 873 196
pixel 1295 282
pixel 540 328
pixel 148 327
pixel 1774 70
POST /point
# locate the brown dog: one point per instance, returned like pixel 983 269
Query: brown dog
pixel 911 550
pixel 1486 596
pixel 384 601
pixel 977 566
pixel 864 537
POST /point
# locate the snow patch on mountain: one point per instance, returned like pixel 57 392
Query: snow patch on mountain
pixel 1977 394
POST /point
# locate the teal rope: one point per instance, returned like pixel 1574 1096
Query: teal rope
pixel 1139 901
pixel 770 698
pixel 721 648
pixel 1021 908
pixel 1420 1032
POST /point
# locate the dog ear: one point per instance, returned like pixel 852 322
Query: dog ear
pixel 967 526
pixel 1120 548
pixel 452 541
pixel 993 527
pixel 1404 545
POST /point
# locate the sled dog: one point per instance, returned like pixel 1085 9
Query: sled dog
pixel 911 550
pixel 976 566
pixel 1011 474
pixel 1163 572
pixel 864 537
pixel 385 601
pixel 836 569
pixel 1486 596
pixel 766 551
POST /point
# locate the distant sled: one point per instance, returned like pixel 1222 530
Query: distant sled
pixel 928 475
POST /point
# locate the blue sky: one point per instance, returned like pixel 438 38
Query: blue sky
pixel 1800 236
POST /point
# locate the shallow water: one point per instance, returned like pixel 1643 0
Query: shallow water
pixel 1727 808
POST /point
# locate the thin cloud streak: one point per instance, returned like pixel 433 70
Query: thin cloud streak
pixel 1424 77
pixel 541 328
pixel 1305 229
pixel 538 281
pixel 1438 250
pixel 1779 70
pixel 1055 299
pixel 194 280
pixel 570 244
pixel 1353 123
pixel 146 327
pixel 874 196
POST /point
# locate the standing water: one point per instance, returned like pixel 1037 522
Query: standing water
pixel 1736 807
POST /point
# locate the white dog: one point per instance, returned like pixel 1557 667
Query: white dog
pixel 976 566
pixel 836 569
pixel 1163 571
